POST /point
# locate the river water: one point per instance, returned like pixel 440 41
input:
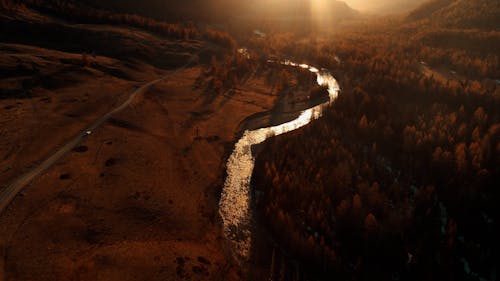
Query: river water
pixel 235 202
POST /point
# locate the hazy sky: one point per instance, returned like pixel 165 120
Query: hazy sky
pixel 367 4
pixel 357 4
pixel 379 4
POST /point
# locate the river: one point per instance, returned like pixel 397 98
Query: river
pixel 235 202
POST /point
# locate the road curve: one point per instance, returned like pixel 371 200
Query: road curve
pixel 9 192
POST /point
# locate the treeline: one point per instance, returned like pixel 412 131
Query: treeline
pixel 398 180
pixel 74 11
pixel 221 38
pixel 472 53
pixel 482 14
pixel 231 71
pixel 226 73
pixel 77 12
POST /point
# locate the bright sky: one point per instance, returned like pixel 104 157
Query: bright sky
pixel 363 4
pixel 356 4
pixel 360 5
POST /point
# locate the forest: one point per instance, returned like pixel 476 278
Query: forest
pixel 399 178
pixel 80 12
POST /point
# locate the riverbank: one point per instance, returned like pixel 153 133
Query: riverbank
pixel 236 202
pixel 139 198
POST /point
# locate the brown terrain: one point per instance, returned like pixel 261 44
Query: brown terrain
pixel 138 198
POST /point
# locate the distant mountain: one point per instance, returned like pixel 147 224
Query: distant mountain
pixel 172 9
pixel 340 9
pixel 428 8
pixel 480 14
pixel 223 9
pixel 329 10
pixel 387 6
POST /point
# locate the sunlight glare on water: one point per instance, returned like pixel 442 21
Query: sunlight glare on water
pixel 234 205
pixel 313 69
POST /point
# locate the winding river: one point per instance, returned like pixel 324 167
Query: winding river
pixel 235 202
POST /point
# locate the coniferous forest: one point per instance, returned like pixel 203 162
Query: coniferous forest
pixel 166 140
pixel 399 180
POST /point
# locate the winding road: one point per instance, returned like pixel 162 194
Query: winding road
pixel 9 192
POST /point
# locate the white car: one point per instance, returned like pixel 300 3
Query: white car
pixel 87 133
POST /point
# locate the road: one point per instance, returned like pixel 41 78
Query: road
pixel 9 192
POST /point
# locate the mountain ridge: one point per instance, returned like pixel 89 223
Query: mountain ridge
pixel 467 14
pixel 220 10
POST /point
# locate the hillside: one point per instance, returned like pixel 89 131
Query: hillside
pixel 132 200
pixel 197 10
pixel 126 127
pixel 402 168
pixel 479 14
pixel 390 6
pixel 224 10
pixel 428 8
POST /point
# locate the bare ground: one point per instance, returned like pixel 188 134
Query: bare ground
pixel 138 200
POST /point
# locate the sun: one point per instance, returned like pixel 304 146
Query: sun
pixel 320 13
pixel 318 6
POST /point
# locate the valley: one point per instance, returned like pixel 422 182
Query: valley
pixel 160 140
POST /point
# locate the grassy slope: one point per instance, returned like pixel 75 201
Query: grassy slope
pixel 138 200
